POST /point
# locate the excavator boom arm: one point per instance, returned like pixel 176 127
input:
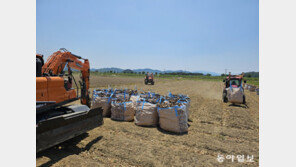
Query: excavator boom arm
pixel 56 63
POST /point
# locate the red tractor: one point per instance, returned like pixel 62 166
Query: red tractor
pixel 149 79
pixel 233 90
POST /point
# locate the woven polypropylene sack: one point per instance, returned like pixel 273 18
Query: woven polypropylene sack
pixel 123 111
pixel 187 105
pixel 105 103
pixel 235 95
pixel 146 114
pixel 173 119
pixel 134 99
pixel 257 91
pixel 122 96
pixel 252 88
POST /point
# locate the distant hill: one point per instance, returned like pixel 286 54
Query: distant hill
pixel 147 70
pixel 208 72
pixel 176 71
pixel 119 70
pixel 128 71
pixel 113 69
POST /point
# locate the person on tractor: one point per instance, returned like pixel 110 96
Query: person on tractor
pixel 233 83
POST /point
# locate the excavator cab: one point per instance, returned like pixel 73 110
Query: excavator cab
pixel 39 64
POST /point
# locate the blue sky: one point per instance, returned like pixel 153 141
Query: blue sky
pixel 192 35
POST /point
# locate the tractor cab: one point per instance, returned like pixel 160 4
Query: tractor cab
pixel 234 81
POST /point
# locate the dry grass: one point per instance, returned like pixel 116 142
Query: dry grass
pixel 215 128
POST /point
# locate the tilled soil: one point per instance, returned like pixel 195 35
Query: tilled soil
pixel 216 128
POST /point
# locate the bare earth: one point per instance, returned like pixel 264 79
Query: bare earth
pixel 216 128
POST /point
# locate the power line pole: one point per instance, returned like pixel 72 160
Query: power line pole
pixel 225 71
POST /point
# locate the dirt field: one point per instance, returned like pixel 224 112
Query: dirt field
pixel 216 128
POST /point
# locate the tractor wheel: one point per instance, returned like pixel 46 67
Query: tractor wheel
pixel 224 97
pixel 146 82
pixel 152 83
pixel 244 99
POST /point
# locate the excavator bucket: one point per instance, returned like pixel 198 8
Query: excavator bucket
pixel 63 123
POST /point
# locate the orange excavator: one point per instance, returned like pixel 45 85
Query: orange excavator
pixel 57 120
